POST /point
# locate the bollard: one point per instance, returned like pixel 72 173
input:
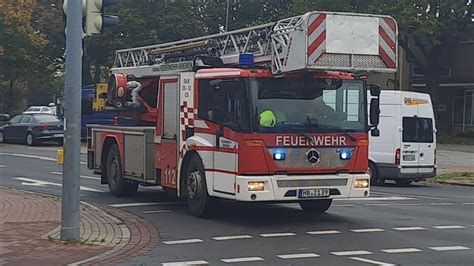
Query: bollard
pixel 60 156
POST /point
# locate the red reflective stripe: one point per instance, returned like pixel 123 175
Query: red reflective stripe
pixel 224 150
pixel 321 38
pixel 221 171
pixel 387 60
pixel 391 23
pixel 387 38
pixel 315 24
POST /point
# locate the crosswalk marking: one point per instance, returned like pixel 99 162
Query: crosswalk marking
pixel 351 253
pixel 449 248
pixel 449 227
pixel 184 241
pixel 374 262
pixel 413 228
pixel 298 256
pixel 220 238
pixel 83 176
pixel 400 250
pixel 277 234
pixel 243 259
pixel 327 232
pixel 184 263
pixel 368 230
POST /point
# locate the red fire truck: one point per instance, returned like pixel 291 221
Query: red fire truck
pixel 271 113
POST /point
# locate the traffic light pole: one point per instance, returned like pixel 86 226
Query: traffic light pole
pixel 70 215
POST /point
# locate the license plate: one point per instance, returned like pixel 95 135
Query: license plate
pixel 313 193
pixel 409 157
pixel 58 135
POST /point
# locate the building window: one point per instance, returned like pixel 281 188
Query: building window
pixel 463 109
pixel 445 72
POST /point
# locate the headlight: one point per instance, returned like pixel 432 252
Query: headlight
pixel 256 186
pixel 361 183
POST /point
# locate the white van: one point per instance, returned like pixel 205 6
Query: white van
pixel 405 151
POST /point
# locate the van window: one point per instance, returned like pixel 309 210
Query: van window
pixel 416 129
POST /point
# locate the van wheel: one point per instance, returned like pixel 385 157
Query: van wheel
pixel 318 206
pixel 374 175
pixel 118 185
pixel 199 202
pixel 403 182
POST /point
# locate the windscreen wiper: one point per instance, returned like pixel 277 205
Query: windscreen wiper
pixel 341 131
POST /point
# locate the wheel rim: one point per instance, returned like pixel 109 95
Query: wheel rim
pixel 114 170
pixel 1 137
pixel 369 172
pixel 193 181
pixel 29 139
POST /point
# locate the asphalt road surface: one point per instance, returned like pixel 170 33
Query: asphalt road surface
pixel 420 224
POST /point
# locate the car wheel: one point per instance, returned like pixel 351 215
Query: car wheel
pixel 403 182
pixel 118 185
pixel 30 140
pixel 199 202
pixel 318 206
pixel 374 175
pixel 2 138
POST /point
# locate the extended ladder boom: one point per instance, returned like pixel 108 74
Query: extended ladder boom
pixel 313 41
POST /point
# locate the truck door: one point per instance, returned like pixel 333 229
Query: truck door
pixel 166 136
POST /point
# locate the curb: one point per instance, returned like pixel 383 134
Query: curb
pixel 453 183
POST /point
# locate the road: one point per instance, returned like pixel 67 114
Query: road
pixel 421 224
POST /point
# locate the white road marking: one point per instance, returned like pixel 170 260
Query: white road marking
pixel 374 262
pixel 83 176
pixel 413 228
pixel 408 204
pixel 377 198
pixel 377 204
pixel 405 195
pixel 219 238
pixel 368 230
pixel 468 203
pixel 400 250
pixel 39 183
pixel 351 253
pixel 298 256
pixel 441 203
pixel 327 232
pixel 277 234
pixel 449 248
pixel 157 211
pixel 449 227
pixel 184 241
pixel 243 259
pixel 184 263
pixel 138 204
pixel 3 166
pixel 44 158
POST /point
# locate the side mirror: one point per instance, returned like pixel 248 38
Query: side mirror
pixel 374 112
pixel 374 90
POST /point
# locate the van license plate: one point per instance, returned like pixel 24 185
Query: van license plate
pixel 313 193
pixel 409 157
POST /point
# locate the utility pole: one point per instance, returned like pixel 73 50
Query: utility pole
pixel 70 215
pixel 227 16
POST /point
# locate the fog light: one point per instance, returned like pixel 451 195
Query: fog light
pixel 345 154
pixel 256 186
pixel 279 156
pixel 361 183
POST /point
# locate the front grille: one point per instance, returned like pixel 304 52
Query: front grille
pixel 313 183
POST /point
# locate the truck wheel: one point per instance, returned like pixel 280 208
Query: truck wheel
pixel 316 205
pixel 118 185
pixel 374 175
pixel 199 201
pixel 403 182
pixel 30 140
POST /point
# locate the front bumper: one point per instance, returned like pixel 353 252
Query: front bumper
pixel 393 171
pixel 285 188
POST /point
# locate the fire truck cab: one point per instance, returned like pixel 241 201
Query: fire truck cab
pixel 247 126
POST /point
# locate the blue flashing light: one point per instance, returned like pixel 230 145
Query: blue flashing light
pixel 345 154
pixel 246 60
pixel 279 156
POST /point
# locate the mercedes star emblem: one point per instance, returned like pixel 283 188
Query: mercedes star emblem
pixel 313 156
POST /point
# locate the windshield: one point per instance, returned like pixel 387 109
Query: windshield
pixel 310 105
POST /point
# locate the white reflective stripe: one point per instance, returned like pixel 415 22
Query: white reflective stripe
pixel 298 256
pixel 388 50
pixel 316 33
pixel 388 30
pixel 401 250
pixel 217 74
pixel 449 248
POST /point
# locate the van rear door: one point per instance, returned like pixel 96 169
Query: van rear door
pixel 418 132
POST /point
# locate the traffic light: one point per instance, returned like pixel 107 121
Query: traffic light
pixel 95 19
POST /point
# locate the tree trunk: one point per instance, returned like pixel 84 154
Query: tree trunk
pixel 9 96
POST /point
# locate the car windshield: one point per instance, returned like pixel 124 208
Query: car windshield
pixel 33 109
pixel 47 118
pixel 309 105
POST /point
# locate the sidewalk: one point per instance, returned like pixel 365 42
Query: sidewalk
pixel 455 158
pixel 29 231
